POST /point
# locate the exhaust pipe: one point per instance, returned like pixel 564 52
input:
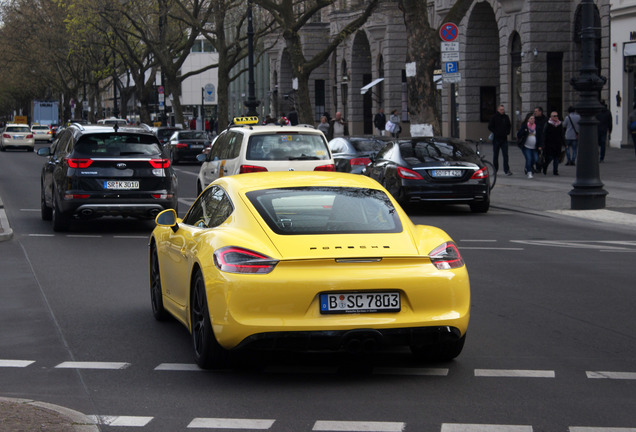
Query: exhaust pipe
pixel 362 341
pixel 86 212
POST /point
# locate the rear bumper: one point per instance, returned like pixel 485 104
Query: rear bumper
pixel 446 193
pixel 358 340
pixel 147 210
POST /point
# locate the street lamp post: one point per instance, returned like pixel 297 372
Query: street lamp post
pixel 588 192
pixel 251 103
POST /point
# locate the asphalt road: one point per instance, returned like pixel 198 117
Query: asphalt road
pixel 550 344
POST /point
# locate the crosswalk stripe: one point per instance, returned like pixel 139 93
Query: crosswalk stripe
pixel 179 367
pixel 611 375
pixel 92 365
pixel 458 427
pixel 16 363
pixel 229 423
pixel 514 373
pixel 357 426
pixel 128 421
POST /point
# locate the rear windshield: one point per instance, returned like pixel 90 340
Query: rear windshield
pixel 164 134
pixel 367 146
pixel 326 210
pixel 46 128
pixel 193 135
pixel 18 129
pixel 287 146
pixel 118 144
pixel 424 151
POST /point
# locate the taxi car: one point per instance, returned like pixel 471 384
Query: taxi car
pixel 247 146
pixel 311 260
pixel 42 133
pixel 17 136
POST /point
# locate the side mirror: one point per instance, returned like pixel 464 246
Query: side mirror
pixel 201 157
pixel 167 218
pixel 44 151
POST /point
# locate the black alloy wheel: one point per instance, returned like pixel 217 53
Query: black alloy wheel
pixel 61 222
pixel 208 354
pixel 156 295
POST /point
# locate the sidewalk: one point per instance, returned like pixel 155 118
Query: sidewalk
pixel 544 194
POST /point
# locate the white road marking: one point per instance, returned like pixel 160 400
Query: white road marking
pixel 410 371
pixel 458 427
pixel 228 423
pixel 30 210
pixel 179 367
pixel 92 365
pixel 514 373
pixel 611 375
pixel 16 363
pixel 127 421
pixel 358 426
pixel 41 235
pixel 599 429
pixel 605 245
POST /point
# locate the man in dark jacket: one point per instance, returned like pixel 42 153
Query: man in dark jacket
pixel 604 127
pixel 379 121
pixel 499 125
pixel 540 120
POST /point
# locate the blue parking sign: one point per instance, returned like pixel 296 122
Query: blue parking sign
pixel 450 67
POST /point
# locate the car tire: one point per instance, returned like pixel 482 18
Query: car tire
pixel 440 351
pixel 480 206
pixel 2 148
pixel 61 222
pixel 156 293
pixel 30 149
pixel 45 211
pixel 208 354
pixel 199 188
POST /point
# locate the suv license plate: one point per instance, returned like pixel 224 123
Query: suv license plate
pixel 447 173
pixel 369 302
pixel 121 185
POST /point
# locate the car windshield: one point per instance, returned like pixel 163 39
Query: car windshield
pixel 287 146
pixel 120 144
pixel 18 129
pixel 193 135
pixel 426 151
pixel 326 210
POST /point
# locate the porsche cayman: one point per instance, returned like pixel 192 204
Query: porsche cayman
pixel 309 260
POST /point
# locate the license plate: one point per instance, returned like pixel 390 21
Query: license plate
pixel 121 184
pixel 368 302
pixel 18 136
pixel 196 146
pixel 447 173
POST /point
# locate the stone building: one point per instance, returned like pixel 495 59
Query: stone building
pixel 518 53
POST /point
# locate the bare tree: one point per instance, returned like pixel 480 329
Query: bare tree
pixel 291 16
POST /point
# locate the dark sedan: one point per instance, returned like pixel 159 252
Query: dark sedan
pixel 433 170
pixel 187 144
pixel 352 154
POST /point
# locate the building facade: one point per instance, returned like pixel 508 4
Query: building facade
pixel 521 54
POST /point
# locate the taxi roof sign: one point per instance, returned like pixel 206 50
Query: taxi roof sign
pixel 250 120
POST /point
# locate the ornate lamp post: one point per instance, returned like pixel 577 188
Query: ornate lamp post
pixel 588 192
pixel 251 103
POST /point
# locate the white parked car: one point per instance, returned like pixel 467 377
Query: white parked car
pixel 42 133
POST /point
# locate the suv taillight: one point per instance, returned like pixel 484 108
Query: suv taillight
pixel 79 163
pixel 251 168
pixel 160 163
pixel 330 167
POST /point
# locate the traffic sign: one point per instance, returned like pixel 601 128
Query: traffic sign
pixel 450 46
pixel 452 56
pixel 452 77
pixel 450 67
pixel 160 90
pixel 448 32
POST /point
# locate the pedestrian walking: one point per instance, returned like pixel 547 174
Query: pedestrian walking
pixel 500 126
pixel 554 143
pixel 393 125
pixel 527 142
pixel 604 118
pixel 323 126
pixel 571 125
pixel 338 127
pixel 379 121
pixel 540 120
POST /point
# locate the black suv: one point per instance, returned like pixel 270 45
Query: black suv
pixel 97 170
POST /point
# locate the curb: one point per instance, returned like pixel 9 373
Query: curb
pixel 18 414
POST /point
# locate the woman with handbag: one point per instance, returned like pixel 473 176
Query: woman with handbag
pixel 527 142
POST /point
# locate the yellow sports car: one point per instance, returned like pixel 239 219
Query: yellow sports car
pixel 311 260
